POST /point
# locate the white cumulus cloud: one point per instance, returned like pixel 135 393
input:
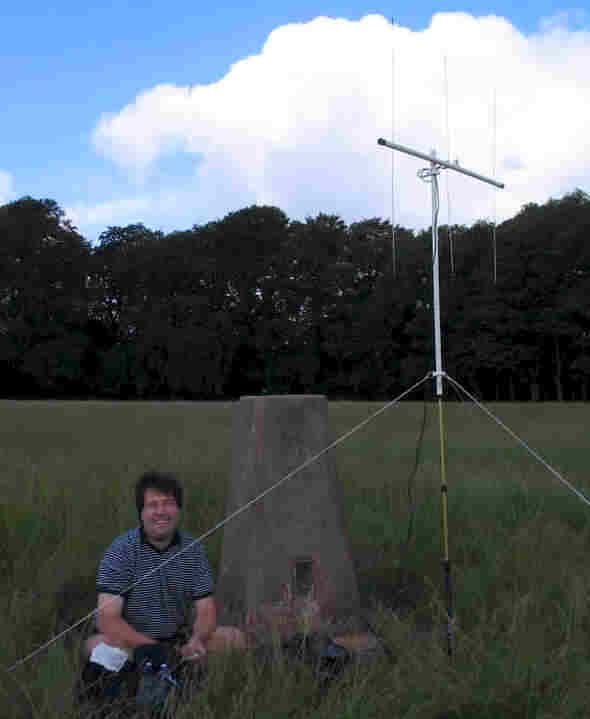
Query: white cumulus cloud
pixel 297 124
pixel 123 211
pixel 6 187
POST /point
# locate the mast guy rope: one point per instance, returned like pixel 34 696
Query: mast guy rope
pixel 227 519
pixel 580 495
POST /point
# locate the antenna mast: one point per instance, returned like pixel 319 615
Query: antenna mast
pixel 430 174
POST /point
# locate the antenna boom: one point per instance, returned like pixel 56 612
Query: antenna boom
pixel 442 163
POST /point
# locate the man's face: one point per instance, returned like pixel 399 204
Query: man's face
pixel 160 516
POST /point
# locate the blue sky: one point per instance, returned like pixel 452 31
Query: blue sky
pixel 127 112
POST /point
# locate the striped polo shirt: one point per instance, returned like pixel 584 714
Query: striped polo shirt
pixel 157 606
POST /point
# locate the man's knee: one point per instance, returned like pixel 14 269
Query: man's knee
pixel 227 638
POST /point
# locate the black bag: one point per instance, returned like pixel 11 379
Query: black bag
pixel 97 682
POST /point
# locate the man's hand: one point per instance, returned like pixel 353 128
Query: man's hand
pixel 110 623
pixel 202 631
pixel 193 650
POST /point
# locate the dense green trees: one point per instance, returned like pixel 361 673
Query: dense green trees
pixel 257 303
pixel 43 300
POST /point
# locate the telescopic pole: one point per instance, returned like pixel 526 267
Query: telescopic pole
pixel 430 174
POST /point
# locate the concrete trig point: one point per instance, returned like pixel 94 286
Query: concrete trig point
pixel 286 565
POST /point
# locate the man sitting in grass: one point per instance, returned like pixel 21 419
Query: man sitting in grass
pixel 144 590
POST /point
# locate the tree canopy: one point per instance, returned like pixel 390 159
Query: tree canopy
pixel 258 303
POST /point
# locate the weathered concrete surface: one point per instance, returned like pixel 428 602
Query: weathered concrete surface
pixel 286 564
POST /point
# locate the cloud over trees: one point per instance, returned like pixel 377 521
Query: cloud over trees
pixel 296 125
pixel 6 186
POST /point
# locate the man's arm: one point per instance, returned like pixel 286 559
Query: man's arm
pixel 203 627
pixel 116 630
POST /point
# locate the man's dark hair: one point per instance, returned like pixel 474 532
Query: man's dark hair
pixel 161 482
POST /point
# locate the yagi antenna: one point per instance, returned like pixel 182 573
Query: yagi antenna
pixel 430 174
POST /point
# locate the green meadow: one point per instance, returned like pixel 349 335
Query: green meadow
pixel 519 543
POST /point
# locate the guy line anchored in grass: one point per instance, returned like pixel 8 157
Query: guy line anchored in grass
pixel 580 495
pixel 226 520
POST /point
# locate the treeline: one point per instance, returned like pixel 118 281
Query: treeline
pixel 256 303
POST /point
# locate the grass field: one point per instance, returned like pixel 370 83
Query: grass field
pixel 518 540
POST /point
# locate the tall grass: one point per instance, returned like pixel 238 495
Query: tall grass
pixel 519 544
